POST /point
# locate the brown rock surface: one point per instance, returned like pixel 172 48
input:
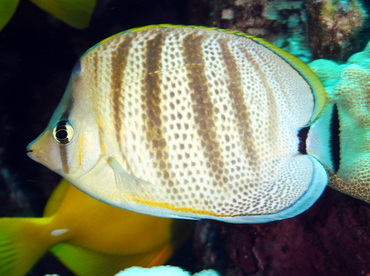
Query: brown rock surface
pixel 331 238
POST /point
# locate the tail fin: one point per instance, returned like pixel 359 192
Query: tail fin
pixel 21 244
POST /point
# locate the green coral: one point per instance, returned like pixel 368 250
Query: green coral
pixel 348 86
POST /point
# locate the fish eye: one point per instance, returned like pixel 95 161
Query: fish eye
pixel 63 132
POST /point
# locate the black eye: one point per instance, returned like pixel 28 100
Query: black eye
pixel 63 132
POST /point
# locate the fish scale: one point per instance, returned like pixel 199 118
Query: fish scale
pixel 193 122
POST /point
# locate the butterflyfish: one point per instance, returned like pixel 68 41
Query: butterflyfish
pixel 189 122
pixel 90 237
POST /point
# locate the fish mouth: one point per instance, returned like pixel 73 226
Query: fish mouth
pixel 30 152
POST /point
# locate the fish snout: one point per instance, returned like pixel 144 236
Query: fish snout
pixel 33 151
pixel 44 150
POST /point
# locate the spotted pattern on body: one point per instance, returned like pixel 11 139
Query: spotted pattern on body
pixel 208 119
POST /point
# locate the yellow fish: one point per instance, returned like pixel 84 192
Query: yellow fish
pixel 88 236
pixel 75 13
pixel 189 122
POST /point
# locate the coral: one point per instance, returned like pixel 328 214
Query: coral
pixel 165 270
pixel 280 22
pixel 348 87
pixel 308 29
pixel 334 25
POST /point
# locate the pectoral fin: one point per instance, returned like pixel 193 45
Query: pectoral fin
pixel 126 182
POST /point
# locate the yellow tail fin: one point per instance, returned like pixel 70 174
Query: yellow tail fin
pixel 21 244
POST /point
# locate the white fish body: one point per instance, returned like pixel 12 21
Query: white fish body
pixel 188 122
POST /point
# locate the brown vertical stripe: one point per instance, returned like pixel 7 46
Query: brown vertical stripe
pixel 64 117
pixel 271 100
pixel 239 105
pixel 118 65
pixel 64 158
pixel 95 70
pixel 152 102
pixel 202 105
pixel 153 91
